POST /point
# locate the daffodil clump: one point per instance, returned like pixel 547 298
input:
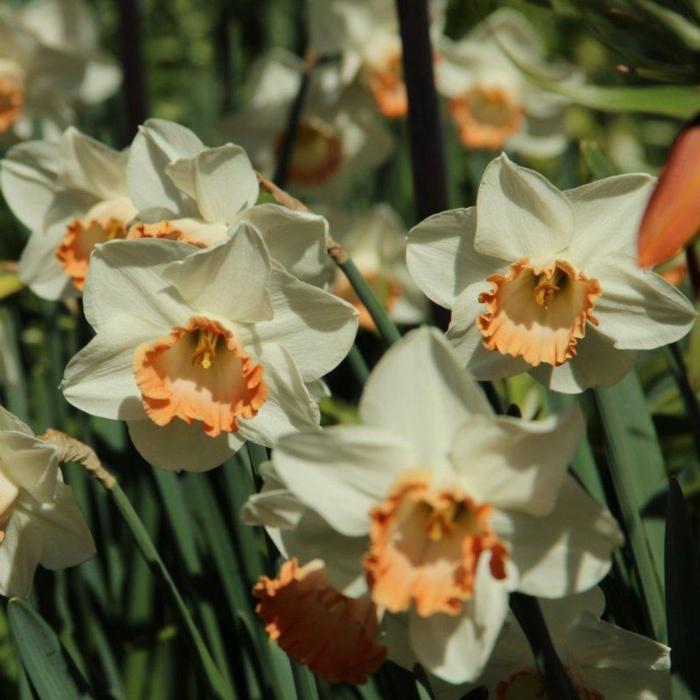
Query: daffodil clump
pixel 401 489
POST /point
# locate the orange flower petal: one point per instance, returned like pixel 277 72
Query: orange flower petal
pixel 199 372
pixel 538 314
pixel 317 154
pixel 385 82
pixel 486 117
pixel 11 102
pixel 672 216
pixel 80 240
pixel 165 230
pixel 425 546
pixel 317 626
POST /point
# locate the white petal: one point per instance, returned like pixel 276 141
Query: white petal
pixel 9 421
pixel 512 463
pixel 181 446
pixel 224 182
pixel 456 648
pixel 561 613
pixel 231 279
pixel 19 555
pixel 618 663
pixel 102 79
pixel 158 143
pixel 100 378
pixel 67 539
pixel 90 166
pixel 638 309
pixel 607 213
pixel 520 214
pixel 275 507
pixel 40 270
pixel 419 391
pixel 289 407
pixel 126 276
pixel 543 137
pixel 597 363
pixel 295 239
pixel 28 178
pixel 342 472
pixel 565 552
pixel 315 327
pixel 29 463
pixel 441 256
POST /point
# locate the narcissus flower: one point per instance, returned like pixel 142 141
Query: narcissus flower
pixel 546 281
pixel 339 135
pixel 194 194
pixel 605 662
pixel 39 520
pixel 201 351
pixel 333 634
pixel 71 27
pixel 436 508
pixel 494 105
pixel 366 35
pixel 71 195
pixel 376 242
pixel 38 82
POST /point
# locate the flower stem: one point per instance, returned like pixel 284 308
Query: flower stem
pixel 290 132
pixel 529 615
pixel 427 154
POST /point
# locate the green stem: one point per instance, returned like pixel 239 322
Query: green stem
pixel 385 326
pixel 155 563
pixel 358 365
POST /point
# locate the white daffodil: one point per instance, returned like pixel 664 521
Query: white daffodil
pixel 194 194
pixel 201 351
pixel 38 83
pixel 493 103
pixel 339 136
pixel 366 35
pixel 71 27
pixel 436 508
pixel 39 520
pixel 376 242
pixel 546 281
pixel 71 195
pixel 605 662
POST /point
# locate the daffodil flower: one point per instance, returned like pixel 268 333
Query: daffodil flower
pixel 71 27
pixel 201 351
pixel 546 281
pixel 493 104
pixel 605 662
pixel 71 194
pixel 194 194
pixel 436 508
pixel 339 136
pixel 376 241
pixel 366 35
pixel 39 520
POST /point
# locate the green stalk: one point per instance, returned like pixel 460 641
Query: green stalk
pixel 385 326
pixel 358 365
pixel 155 563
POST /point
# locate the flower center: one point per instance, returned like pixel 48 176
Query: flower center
pixel 166 230
pixel 538 313
pixel 486 117
pixel 425 546
pixel 79 241
pixel 386 288
pixel 317 153
pixel 9 492
pixel 11 102
pixel 527 685
pixel 199 372
pixel 316 625
pixel 385 81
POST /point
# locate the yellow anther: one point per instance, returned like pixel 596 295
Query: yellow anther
pixel 205 351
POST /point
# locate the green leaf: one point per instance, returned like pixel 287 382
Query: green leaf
pixel 43 656
pixel 597 161
pixel 682 586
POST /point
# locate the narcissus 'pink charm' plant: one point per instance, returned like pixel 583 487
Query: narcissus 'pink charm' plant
pixel 435 508
pixel 201 351
pixel 546 281
pixel 39 520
